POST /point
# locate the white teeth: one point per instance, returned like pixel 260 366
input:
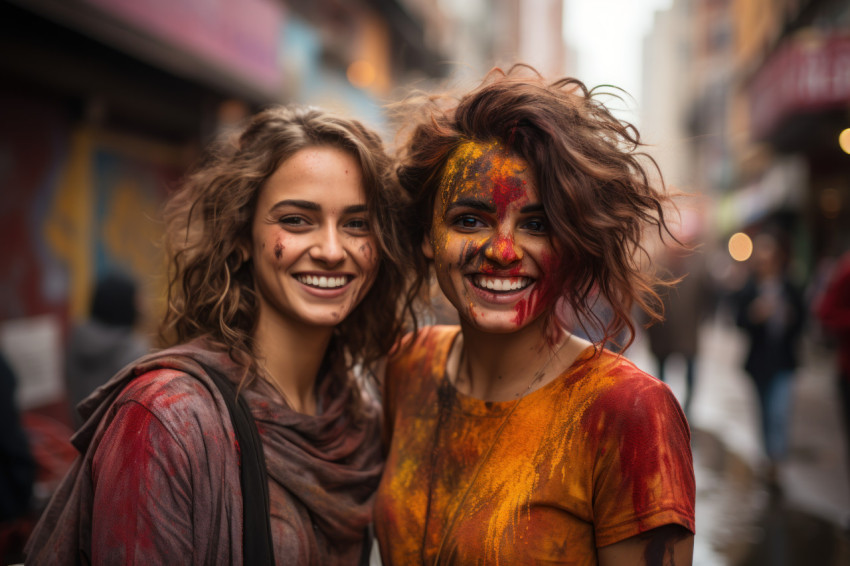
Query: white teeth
pixel 322 282
pixel 501 283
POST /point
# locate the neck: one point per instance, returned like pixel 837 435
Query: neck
pixel 291 356
pixel 502 367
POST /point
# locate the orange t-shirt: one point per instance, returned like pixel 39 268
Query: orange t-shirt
pixel 600 454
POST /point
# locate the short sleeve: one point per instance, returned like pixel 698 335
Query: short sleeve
pixel 644 476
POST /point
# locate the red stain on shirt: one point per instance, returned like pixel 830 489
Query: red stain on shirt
pixel 554 484
pixel 644 456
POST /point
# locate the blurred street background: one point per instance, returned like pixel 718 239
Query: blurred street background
pixel 744 105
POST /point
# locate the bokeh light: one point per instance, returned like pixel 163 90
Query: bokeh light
pixel 740 246
pixel 361 73
pixel 844 140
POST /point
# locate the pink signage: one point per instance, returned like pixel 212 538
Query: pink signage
pixel 240 35
pixel 803 75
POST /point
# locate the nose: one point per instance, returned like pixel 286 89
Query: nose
pixel 503 249
pixel 328 249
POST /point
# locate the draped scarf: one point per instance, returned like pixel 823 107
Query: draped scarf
pixel 330 463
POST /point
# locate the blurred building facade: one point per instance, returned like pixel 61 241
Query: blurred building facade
pixel 105 103
pixel 476 35
pixel 793 97
pixel 667 92
pixel 761 92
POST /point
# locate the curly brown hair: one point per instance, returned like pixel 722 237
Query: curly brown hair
pixel 593 182
pixel 211 287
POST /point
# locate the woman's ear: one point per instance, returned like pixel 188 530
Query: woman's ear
pixel 427 247
pixel 244 251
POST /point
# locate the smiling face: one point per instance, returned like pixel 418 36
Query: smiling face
pixel 490 241
pixel 311 244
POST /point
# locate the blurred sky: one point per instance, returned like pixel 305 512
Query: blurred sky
pixel 607 37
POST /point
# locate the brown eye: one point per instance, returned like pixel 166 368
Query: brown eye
pixel 468 222
pixel 359 225
pixel 536 225
pixel 293 221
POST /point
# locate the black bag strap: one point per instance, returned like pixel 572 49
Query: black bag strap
pixel 257 546
pixel 366 549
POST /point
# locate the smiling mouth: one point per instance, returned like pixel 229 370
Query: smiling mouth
pixel 501 284
pixel 324 282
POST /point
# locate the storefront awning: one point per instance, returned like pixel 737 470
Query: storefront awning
pixel 231 45
pixel 782 186
pixel 809 72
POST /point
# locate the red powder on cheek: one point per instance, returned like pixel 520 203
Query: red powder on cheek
pixel 550 283
pixel 529 308
pixel 366 253
pixel 522 310
pixel 278 250
pixel 544 294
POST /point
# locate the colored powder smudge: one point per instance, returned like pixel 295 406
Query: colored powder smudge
pixel 525 307
pixel 506 191
pixel 504 249
pixel 640 439
pixel 367 252
pixel 473 160
pixel 544 294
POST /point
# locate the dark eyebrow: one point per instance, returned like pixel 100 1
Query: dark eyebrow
pixel 471 203
pixel 355 209
pixel 537 207
pixel 310 205
pixel 486 207
pixel 305 204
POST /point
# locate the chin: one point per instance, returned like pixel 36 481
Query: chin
pixel 324 320
pixel 495 325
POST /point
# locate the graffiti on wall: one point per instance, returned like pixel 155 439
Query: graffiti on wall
pixel 77 203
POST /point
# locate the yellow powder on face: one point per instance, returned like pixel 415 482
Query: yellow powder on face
pixel 470 161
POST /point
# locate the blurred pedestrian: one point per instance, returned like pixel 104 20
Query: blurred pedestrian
pixel 685 307
pixel 106 341
pixel 18 475
pixel 770 310
pixel 17 469
pixel 833 311
pixel 512 440
pixel 286 267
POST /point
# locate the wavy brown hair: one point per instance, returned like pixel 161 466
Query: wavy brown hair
pixel 211 288
pixel 593 182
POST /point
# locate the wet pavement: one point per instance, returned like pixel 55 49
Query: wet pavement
pixel 743 520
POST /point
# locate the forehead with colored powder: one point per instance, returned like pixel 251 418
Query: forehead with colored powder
pixel 484 170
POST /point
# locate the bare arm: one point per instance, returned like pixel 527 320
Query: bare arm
pixel 670 545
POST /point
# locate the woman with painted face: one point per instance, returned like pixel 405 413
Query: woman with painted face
pixel 510 440
pixel 285 269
